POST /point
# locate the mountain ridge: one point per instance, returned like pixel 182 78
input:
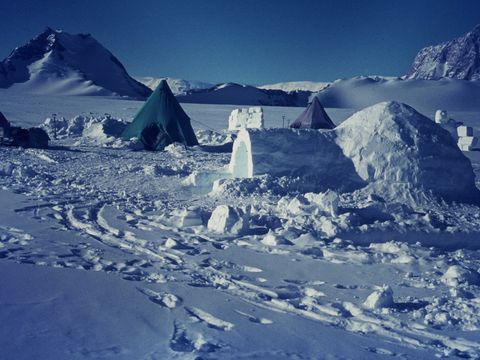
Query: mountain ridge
pixel 56 62
pixel 458 59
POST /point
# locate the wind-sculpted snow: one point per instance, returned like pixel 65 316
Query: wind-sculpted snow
pixel 105 253
pixel 424 95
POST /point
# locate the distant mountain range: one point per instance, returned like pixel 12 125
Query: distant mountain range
pixel 238 94
pixel 230 93
pixel 56 62
pixel 178 86
pixel 456 59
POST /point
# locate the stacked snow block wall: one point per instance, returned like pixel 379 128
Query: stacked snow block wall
pixel 389 147
pixel 251 118
pixel 466 140
pixel 311 155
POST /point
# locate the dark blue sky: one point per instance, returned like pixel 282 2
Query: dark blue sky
pixel 250 41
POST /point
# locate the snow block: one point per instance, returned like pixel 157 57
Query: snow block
pixel 382 297
pixel 467 143
pixel 441 117
pixel 464 131
pixel 311 155
pixel 251 118
pixel 226 219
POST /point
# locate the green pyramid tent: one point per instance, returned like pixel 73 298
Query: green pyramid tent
pixel 161 121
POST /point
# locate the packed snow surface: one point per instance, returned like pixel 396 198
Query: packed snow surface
pixel 105 253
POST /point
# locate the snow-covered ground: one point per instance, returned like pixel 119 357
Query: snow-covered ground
pixel 106 253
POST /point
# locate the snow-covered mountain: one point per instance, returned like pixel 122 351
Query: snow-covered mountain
pixel 237 94
pixel 458 59
pixel 178 86
pixel 56 62
pixel 424 95
pixel 312 86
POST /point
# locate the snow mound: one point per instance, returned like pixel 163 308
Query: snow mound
pixel 227 219
pixel 393 146
pixel 273 239
pixel 425 95
pixel 103 130
pixel 214 138
pixel 381 298
pixel 457 275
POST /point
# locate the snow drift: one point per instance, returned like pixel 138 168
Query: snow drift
pixel 389 146
pixel 424 95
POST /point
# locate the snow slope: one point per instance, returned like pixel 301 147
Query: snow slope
pixel 312 86
pixel 237 94
pixel 458 59
pixel 423 95
pixel 178 86
pixel 56 62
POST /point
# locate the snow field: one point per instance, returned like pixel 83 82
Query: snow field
pixel 392 277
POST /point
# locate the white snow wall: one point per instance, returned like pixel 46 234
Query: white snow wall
pixel 311 155
pixel 389 146
pixel 251 118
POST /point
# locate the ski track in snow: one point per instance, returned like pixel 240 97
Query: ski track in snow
pixel 125 218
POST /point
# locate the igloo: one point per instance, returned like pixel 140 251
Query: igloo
pixel 394 146
pixel 251 118
pixel 389 146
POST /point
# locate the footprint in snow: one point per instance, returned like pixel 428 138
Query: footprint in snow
pixel 182 341
pixel 254 319
pixel 211 321
pixel 164 299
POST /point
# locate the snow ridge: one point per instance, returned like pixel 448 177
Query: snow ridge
pixel 458 59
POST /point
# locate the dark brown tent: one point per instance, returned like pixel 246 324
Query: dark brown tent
pixel 313 117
